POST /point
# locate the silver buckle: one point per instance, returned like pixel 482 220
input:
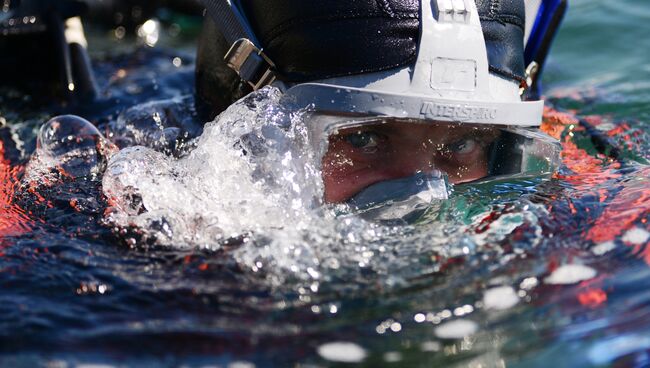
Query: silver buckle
pixel 252 65
pixel 531 73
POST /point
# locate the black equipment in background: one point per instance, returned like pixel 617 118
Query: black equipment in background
pixel 43 49
pixel 132 13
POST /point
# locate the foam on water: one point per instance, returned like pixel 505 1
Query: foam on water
pixel 637 236
pixel 456 329
pixel 345 352
pixel 603 248
pixel 250 175
pixel 500 298
pixel 570 274
pixel 243 175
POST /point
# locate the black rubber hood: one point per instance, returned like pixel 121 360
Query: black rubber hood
pixel 318 39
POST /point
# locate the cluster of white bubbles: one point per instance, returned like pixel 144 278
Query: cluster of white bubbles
pixel 250 171
pixel 253 175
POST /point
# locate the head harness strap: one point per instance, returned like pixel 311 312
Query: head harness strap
pixel 245 55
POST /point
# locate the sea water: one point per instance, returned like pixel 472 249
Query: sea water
pixel 155 239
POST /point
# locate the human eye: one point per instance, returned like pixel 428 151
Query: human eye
pixel 368 141
pixel 463 146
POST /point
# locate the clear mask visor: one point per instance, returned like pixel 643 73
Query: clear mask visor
pixel 370 161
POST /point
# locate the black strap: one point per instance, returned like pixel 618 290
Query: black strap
pixel 230 21
pixel 245 55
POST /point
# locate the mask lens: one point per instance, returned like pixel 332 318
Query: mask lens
pixel 362 158
pixel 360 154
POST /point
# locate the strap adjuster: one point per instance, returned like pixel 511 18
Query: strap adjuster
pixel 531 77
pixel 252 65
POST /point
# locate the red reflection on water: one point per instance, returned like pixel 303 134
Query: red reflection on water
pixel 623 211
pixel 13 219
pixel 588 170
pixel 556 122
pixel 591 293
pixel 592 297
pixel 627 202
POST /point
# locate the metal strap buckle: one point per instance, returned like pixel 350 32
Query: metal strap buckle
pixel 252 65
pixel 531 76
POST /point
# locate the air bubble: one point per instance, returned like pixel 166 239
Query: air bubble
pixel 73 146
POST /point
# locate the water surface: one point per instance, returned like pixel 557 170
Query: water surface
pixel 190 252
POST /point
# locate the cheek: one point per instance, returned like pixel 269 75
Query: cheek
pixel 465 168
pixel 344 177
pixel 338 175
pixel 341 160
pixel 336 191
pixel 341 185
pixel 336 161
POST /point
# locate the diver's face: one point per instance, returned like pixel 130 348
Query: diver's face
pixel 362 156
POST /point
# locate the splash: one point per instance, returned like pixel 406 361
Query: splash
pixel 248 173
pixel 252 180
pixel 166 126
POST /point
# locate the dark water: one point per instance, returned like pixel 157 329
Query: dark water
pixel 537 273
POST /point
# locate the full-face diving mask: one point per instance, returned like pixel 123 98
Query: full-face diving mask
pixel 402 135
pixel 394 168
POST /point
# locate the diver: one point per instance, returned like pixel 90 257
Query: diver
pixel 401 97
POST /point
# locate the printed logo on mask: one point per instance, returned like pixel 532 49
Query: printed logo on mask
pixel 457 112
